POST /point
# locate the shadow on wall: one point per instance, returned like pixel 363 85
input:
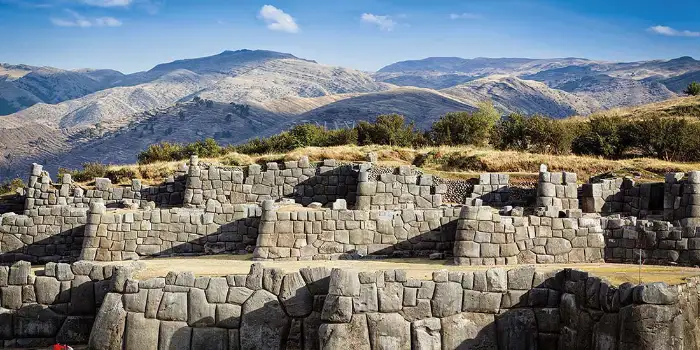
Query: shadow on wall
pixel 58 305
pixel 64 246
pixel 494 309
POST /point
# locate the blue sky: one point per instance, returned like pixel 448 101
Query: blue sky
pixel 135 35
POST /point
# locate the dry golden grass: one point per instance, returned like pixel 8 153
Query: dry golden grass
pixel 219 265
pixel 449 162
pixel 683 107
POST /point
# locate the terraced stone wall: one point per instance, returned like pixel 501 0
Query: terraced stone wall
pixel 619 196
pixel 484 237
pixel 48 233
pixel 298 233
pixel 131 234
pixel 43 192
pixel 320 308
pixel 631 240
pixel 301 180
pixel 492 190
pixel 401 190
pixel 57 306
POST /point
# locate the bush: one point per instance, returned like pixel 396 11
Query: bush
pixel 389 129
pixel 693 89
pixel 167 152
pixel 122 175
pixel 667 138
pixel 536 133
pixel 10 186
pixel 463 128
pixel 607 136
pixel 89 172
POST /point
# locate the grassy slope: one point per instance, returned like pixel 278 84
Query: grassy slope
pixel 466 162
pixel 452 162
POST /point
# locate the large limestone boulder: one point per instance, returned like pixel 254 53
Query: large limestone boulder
pixel 353 335
pixel 517 329
pixel 108 330
pixel 174 335
pixel 469 330
pixel 425 334
pixel 141 333
pixel 264 322
pixel 388 331
pixel 295 297
pixel 647 327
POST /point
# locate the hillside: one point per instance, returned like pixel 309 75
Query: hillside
pixel 609 84
pixel 86 114
pixel 23 86
pixel 510 94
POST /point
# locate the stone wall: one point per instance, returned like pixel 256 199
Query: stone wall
pixel 319 308
pixel 557 191
pixel 43 192
pixel 301 180
pixel 493 190
pixel 486 238
pixel 298 233
pixel 682 196
pixel 656 242
pixel 621 195
pixel 57 306
pixel 131 234
pixel 48 233
pixel 402 190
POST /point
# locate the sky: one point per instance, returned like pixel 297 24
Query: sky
pixel 135 35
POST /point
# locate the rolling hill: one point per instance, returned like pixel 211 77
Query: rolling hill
pixel 68 117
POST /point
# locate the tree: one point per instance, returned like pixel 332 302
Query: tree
pixel 389 129
pixel 693 89
pixel 229 117
pixel 197 99
pixel 463 128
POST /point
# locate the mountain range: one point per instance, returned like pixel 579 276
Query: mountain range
pixel 68 117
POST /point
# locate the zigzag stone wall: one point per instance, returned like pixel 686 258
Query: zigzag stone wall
pixel 58 305
pixel 486 238
pixel 301 180
pixel 48 233
pixel 43 192
pixel 320 308
pixel 127 234
pixel 404 190
pixel 296 233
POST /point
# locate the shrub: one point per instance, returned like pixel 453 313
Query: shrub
pixel 607 136
pixel 463 128
pixel 10 186
pixel 535 134
pixel 389 129
pixel 167 152
pixel 89 172
pixel 121 175
pixel 667 138
pixel 693 89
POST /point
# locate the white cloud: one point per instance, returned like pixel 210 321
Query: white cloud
pixel 277 19
pixel 108 3
pixel 668 31
pixel 78 20
pixel 465 15
pixel 383 22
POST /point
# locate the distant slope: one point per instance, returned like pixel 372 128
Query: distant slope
pixel 23 86
pixel 679 83
pixel 423 106
pixel 511 94
pixel 612 92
